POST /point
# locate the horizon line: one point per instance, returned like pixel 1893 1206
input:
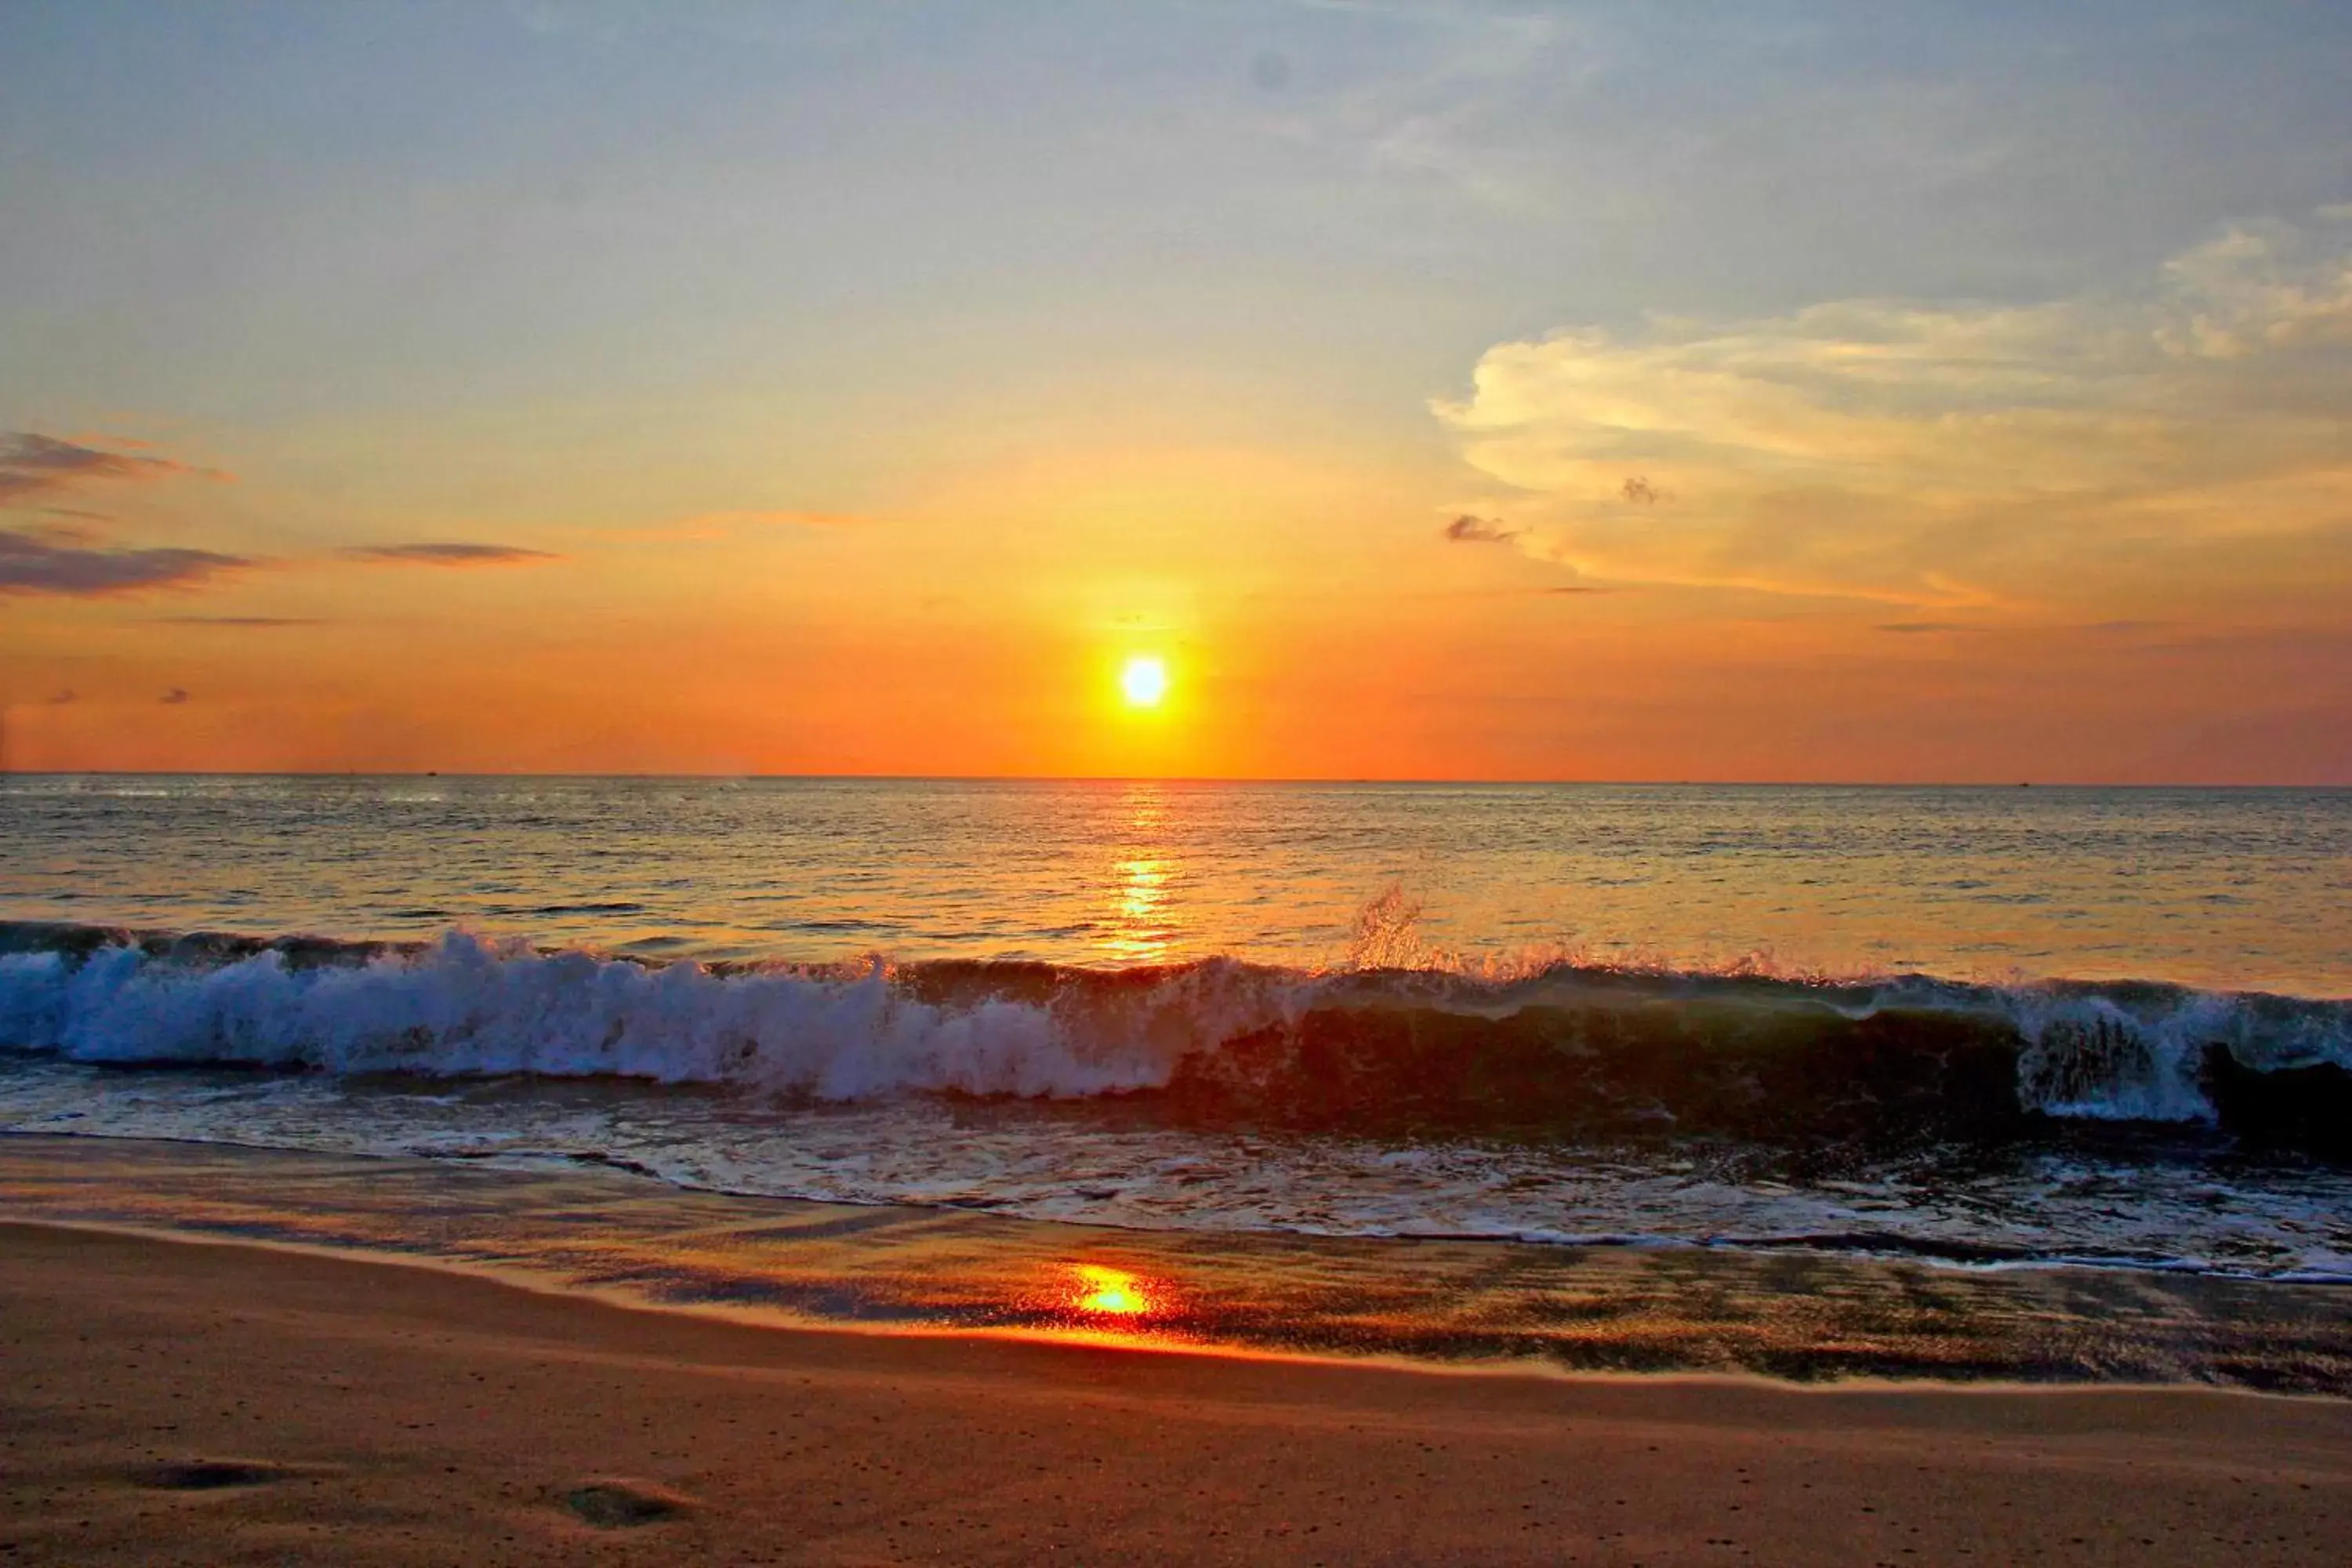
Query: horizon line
pixel 6 774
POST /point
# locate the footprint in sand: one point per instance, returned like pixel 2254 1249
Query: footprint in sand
pixel 211 1475
pixel 619 1505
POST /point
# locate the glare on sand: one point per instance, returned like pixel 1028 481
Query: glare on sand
pixel 1143 680
pixel 1111 1292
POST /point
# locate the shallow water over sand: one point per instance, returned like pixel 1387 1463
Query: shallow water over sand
pixel 1796 1315
pixel 2115 1197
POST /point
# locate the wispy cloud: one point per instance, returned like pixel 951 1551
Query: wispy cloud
pixel 246 621
pixel 35 465
pixel 32 565
pixel 1916 628
pixel 450 552
pixel 1444 97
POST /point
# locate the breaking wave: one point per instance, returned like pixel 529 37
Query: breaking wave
pixel 1565 1049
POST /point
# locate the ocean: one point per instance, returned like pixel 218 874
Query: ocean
pixel 1390 1056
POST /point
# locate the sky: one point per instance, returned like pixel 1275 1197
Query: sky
pixel 1868 391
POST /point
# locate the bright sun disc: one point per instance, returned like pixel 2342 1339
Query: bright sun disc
pixel 1144 681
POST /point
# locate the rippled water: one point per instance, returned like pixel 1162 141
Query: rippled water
pixel 2230 888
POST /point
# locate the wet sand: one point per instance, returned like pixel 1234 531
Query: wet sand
pixel 169 1402
pixel 1786 1314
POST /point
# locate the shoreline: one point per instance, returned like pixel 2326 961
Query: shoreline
pixel 1785 1317
pixel 1960 1262
pixel 1083 1338
pixel 221 1401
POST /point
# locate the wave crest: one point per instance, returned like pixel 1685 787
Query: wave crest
pixel 1568 1049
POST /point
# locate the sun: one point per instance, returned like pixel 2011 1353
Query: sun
pixel 1143 680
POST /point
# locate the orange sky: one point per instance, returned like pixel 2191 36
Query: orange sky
pixel 580 394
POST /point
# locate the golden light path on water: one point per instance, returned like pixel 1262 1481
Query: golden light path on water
pixel 1138 929
pixel 1139 934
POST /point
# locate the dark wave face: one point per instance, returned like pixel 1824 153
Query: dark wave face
pixel 1560 1053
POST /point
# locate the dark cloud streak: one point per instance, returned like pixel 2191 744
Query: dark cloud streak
pixel 32 464
pixel 451 552
pixel 31 565
pixel 1469 529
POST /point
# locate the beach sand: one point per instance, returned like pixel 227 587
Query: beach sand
pixel 169 1402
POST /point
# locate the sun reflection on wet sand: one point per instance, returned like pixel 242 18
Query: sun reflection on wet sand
pixel 1102 1305
pixel 1112 1293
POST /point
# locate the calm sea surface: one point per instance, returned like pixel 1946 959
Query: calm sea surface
pixel 2228 888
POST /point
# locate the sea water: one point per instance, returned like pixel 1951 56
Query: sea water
pixel 1981 1027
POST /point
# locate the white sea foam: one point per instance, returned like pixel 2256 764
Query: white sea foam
pixel 468 1006
pixel 2090 1057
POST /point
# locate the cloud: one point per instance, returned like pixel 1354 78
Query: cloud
pixel 1469 529
pixel 33 463
pixel 80 534
pixel 174 698
pixel 32 565
pixel 1913 628
pixel 1933 454
pixel 64 697
pixel 450 554
pixel 237 621
pixel 2260 288
pixel 1448 100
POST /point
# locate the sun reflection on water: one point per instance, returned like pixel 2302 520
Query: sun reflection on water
pixel 1140 930
pixel 1139 934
